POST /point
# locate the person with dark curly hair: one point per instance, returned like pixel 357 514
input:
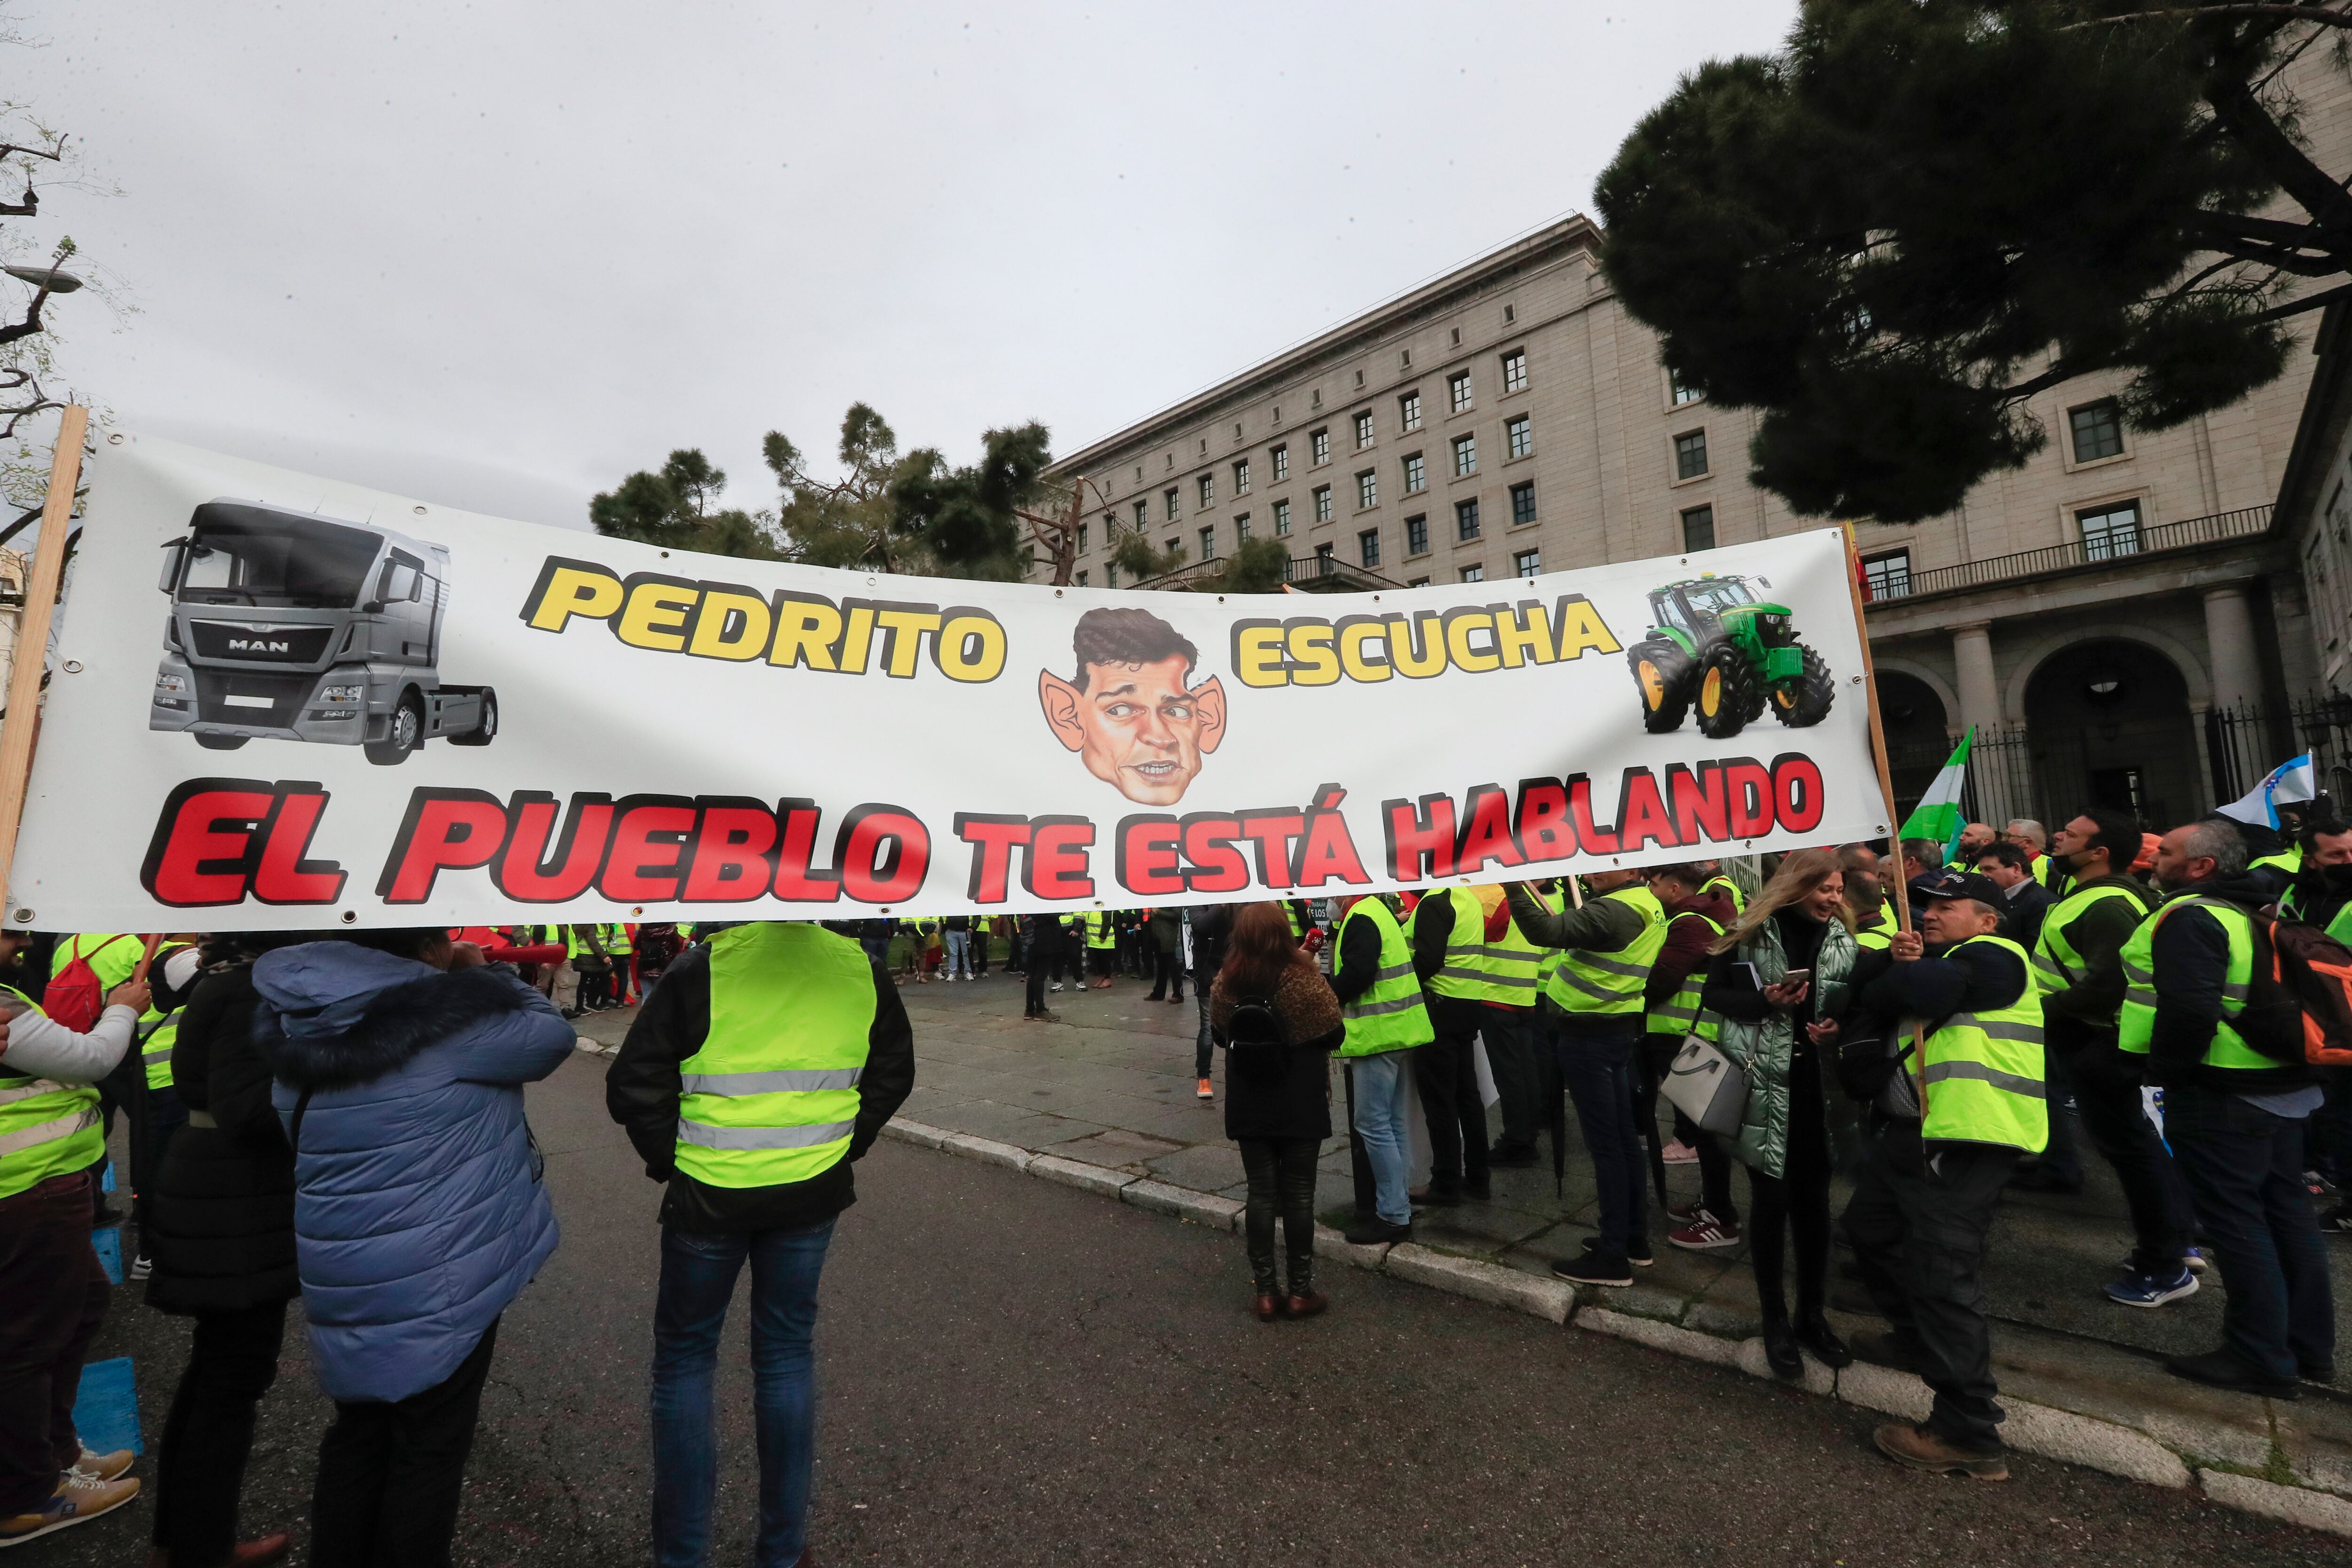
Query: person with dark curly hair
pixel 1129 712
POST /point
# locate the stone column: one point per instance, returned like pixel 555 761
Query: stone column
pixel 1980 692
pixel 2229 644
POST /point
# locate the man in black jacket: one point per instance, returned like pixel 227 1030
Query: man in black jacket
pixel 2321 894
pixel 1209 924
pixel 2234 1116
pixel 755 1076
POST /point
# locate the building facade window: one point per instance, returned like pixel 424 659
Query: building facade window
pixel 1111 575
pixel 2110 530
pixel 1368 488
pixel 1143 515
pixel 1241 477
pixel 1523 503
pixel 1322 503
pixel 1457 392
pixel 1466 519
pixel 1887 576
pixel 1698 527
pixel 1319 445
pixel 1173 496
pixel 1473 574
pixel 1527 564
pixel 1677 391
pixel 1209 543
pixel 1466 455
pixel 1082 538
pixel 1323 558
pixel 1690 455
pixel 1416 535
pixel 1281 456
pixel 1363 430
pixel 1519 437
pixel 2098 430
pixel 1208 483
pixel 1514 371
pixel 1368 546
pixel 1409 410
pixel 1416 474
pixel 1282 520
pixel 1241 530
pixel 1416 583
pixel 1082 579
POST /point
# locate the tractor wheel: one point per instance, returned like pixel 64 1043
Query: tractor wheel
pixel 1727 696
pixel 1805 701
pixel 1661 669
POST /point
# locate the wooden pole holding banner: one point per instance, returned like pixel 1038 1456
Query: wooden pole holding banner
pixel 32 657
pixel 1886 790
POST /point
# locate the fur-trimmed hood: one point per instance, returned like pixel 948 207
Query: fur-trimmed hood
pixel 346 1014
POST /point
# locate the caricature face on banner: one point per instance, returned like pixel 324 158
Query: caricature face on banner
pixel 279 701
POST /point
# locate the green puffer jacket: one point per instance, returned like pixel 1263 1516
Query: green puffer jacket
pixel 1764 1050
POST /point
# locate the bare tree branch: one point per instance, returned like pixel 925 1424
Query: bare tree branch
pixel 2341 18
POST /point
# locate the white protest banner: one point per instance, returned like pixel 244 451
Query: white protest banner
pixel 286 703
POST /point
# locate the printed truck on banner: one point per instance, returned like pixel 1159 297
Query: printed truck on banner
pixel 290 626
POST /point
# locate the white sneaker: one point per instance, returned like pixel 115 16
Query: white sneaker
pixel 141 1266
pixel 1057 985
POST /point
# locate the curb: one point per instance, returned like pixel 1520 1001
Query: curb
pixel 2179 1454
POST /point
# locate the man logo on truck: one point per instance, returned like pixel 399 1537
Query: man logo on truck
pixel 291 627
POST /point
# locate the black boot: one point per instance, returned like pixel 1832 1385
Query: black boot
pixel 1815 1334
pixel 1780 1348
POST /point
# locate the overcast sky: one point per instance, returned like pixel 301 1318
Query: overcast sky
pixel 499 255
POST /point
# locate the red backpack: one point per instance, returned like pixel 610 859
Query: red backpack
pixel 2299 1004
pixel 73 997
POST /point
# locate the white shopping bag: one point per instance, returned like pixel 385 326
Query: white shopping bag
pixel 1488 1095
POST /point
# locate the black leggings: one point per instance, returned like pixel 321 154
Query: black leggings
pixel 1281 1174
pixel 1038 962
pixel 200 1470
pixel 1799 1198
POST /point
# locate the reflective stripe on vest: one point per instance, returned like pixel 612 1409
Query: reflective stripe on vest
pixel 1680 1013
pixel 1611 982
pixel 771 1097
pixel 1729 890
pixel 1984 1070
pixel 2340 928
pixel 1460 975
pixel 1511 970
pixel 2056 963
pixel 616 939
pixel 1876 930
pixel 1390 1013
pixel 1099 932
pixel 47 1128
pixel 156 1045
pixel 2135 1024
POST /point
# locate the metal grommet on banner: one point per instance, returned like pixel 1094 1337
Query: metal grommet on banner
pixel 418 510
pixel 1857 681
pixel 115 439
pixel 640 909
pixel 73 666
pixel 24 917
pixel 1057 592
pixel 350 917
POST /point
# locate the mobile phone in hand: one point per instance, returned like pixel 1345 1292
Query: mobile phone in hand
pixel 1795 975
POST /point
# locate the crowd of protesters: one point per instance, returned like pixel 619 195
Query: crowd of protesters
pixel 340 1116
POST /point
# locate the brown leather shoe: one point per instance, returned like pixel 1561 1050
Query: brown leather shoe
pixel 1923 1450
pixel 1308 1305
pixel 1267 1305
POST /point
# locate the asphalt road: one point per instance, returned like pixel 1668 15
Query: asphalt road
pixel 1019 1372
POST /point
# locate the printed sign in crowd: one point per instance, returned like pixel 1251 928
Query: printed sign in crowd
pixel 282 702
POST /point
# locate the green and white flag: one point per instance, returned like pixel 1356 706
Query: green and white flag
pixel 1937 815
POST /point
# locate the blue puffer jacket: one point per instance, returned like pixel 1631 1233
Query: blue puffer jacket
pixel 418 1211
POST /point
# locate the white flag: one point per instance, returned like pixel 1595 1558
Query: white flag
pixel 2290 782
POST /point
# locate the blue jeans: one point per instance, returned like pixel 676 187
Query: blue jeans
pixel 698 1280
pixel 2246 1169
pixel 1599 1073
pixel 959 958
pixel 1379 1122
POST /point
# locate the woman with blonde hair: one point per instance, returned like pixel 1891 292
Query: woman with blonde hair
pixel 1279 1021
pixel 1783 980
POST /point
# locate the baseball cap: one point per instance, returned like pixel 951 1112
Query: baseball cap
pixel 1951 882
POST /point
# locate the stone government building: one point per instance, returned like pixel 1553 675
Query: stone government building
pixel 2131 619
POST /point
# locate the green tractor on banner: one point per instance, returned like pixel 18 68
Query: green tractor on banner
pixel 1717 647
